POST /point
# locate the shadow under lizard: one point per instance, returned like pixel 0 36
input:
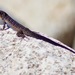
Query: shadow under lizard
pixel 22 31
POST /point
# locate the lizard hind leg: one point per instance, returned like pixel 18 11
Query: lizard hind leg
pixel 20 34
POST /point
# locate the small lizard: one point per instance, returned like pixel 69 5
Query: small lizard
pixel 23 31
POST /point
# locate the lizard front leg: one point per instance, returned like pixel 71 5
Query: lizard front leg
pixel 4 25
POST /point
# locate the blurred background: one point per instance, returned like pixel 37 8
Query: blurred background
pixel 54 18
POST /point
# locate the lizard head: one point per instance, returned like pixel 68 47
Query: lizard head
pixel 2 14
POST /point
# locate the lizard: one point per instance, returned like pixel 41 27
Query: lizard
pixel 23 31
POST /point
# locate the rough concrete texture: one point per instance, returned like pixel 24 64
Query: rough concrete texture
pixel 30 56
